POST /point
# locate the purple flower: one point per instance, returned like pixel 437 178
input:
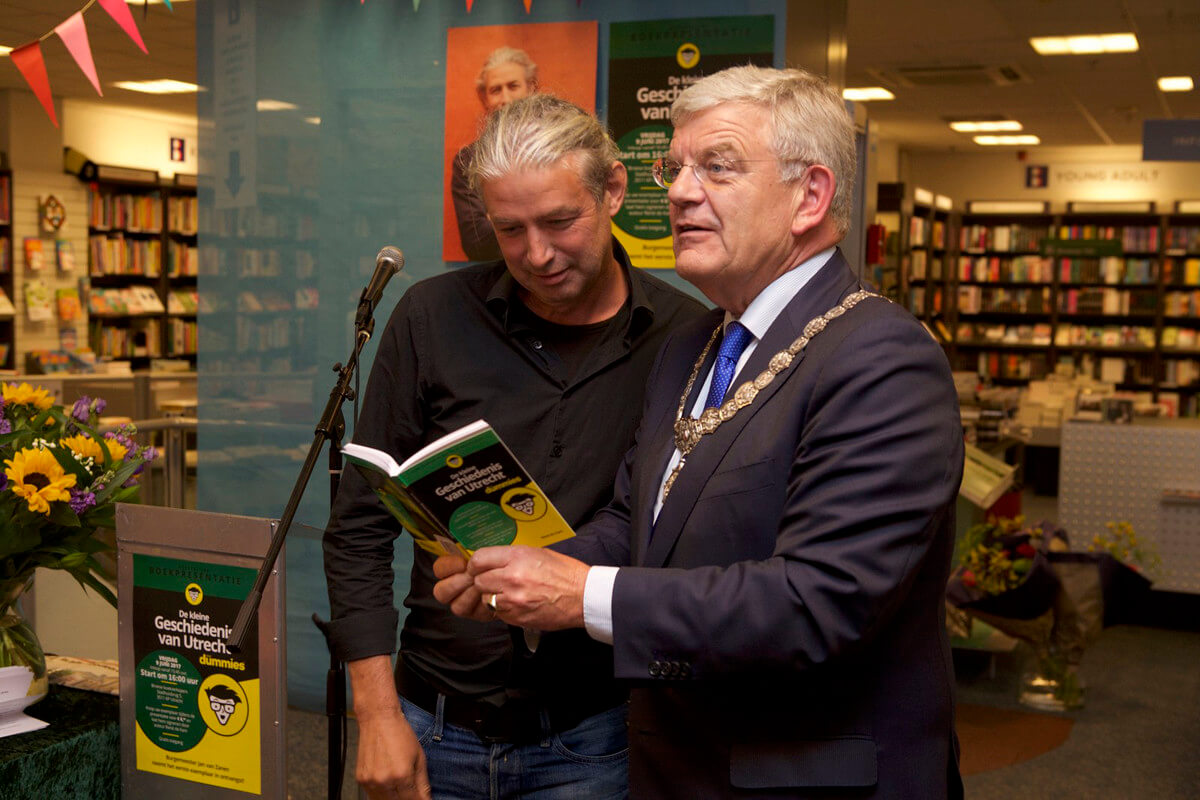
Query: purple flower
pixel 150 453
pixel 98 405
pixel 5 426
pixel 3 481
pixel 81 500
pixel 80 410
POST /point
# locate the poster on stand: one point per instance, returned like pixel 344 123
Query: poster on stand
pixel 650 63
pixel 197 704
pixel 488 66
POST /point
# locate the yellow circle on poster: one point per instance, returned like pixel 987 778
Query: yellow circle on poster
pixel 223 705
pixel 454 461
pixel 193 594
pixel 688 55
pixel 523 503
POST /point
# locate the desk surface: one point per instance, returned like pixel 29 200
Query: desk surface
pixel 78 756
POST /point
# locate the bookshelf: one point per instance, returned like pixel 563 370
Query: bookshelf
pixel 7 301
pixel 142 265
pixel 911 255
pixel 1115 293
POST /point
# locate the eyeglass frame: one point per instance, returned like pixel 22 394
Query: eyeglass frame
pixel 699 170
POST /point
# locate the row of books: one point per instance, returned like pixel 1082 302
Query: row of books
pixel 141 339
pixel 977 299
pixel 1182 304
pixel 182 259
pixel 1177 337
pixel 1111 269
pixel 182 337
pixel 1064 335
pixel 125 301
pixel 1182 271
pixel 116 255
pixel 1001 238
pixel 998 269
pixel 1134 238
pixel 183 301
pixel 1180 372
pixel 270 334
pixel 1185 238
pixel 993 364
pixel 241 223
pixel 980 333
pixel 130 212
pixel 1107 301
pixel 919 298
pixel 922 232
pixel 183 215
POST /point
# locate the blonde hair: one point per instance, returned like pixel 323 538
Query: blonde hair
pixel 536 132
pixel 809 122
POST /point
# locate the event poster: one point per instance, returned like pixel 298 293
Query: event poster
pixel 197 705
pixel 650 63
pixel 563 62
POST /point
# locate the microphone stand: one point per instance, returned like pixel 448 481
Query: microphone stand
pixel 330 427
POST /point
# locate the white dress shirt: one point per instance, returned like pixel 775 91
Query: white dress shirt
pixel 758 317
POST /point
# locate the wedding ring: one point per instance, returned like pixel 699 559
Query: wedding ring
pixel 491 602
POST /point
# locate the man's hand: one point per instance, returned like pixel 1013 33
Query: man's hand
pixel 527 586
pixel 391 764
pixel 456 588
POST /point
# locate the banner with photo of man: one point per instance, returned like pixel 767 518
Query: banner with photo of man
pixel 650 63
pixel 487 67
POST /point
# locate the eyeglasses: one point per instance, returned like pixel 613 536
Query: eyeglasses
pixel 713 171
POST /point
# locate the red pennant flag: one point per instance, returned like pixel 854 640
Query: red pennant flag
pixel 469 4
pixel 28 59
pixel 528 5
pixel 74 36
pixel 123 17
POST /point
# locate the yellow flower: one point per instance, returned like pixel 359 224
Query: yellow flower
pixel 83 446
pixel 24 394
pixel 36 475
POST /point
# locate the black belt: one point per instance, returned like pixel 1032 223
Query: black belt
pixel 516 720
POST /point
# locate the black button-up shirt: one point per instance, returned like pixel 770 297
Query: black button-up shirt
pixel 461 347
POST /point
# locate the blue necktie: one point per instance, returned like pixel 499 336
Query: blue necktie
pixel 737 336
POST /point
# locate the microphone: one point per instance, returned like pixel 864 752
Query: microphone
pixel 389 262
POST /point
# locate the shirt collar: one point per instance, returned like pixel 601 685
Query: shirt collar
pixel 770 302
pixel 503 295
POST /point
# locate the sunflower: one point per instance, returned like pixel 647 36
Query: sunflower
pixel 35 475
pixel 83 447
pixel 24 394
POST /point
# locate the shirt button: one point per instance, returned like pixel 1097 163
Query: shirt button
pixel 536 344
pixel 556 451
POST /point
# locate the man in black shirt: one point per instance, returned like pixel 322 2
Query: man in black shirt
pixel 552 346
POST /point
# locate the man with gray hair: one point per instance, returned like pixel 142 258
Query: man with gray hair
pixel 507 74
pixel 772 568
pixel 552 346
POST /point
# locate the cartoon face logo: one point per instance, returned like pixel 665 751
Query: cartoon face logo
pixel 223 701
pixel 454 461
pixel 688 55
pixel 523 502
pixel 224 705
pixel 193 593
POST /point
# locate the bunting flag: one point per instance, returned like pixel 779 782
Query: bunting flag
pixel 469 4
pixel 416 4
pixel 74 36
pixel 528 5
pixel 28 59
pixel 124 17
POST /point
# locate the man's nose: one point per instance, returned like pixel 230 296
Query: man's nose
pixel 539 250
pixel 686 188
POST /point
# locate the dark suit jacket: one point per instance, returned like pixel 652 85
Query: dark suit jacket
pixel 784 620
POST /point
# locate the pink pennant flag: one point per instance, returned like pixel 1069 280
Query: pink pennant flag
pixel 29 60
pixel 74 36
pixel 123 17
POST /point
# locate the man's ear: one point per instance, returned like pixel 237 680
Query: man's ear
pixel 614 187
pixel 814 197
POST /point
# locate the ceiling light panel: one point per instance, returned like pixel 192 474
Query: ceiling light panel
pixel 982 126
pixel 1085 45
pixel 992 139
pixel 1175 83
pixel 164 86
pixel 867 93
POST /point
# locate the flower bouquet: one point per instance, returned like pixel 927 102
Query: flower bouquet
pixel 60 484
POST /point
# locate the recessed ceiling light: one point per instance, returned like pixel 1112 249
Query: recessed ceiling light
pixel 161 86
pixel 5 50
pixel 274 105
pixel 972 126
pixel 1021 138
pixel 1084 45
pixel 865 93
pixel 313 120
pixel 1175 83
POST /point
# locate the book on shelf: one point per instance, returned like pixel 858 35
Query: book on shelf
pixel 65 255
pixel 6 306
pixel 38 301
pixel 35 258
pixel 464 491
pixel 67 301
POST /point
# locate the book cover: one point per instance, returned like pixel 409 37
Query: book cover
pixel 69 306
pixel 37 301
pixel 65 254
pixel 464 491
pixel 35 259
pixel 6 305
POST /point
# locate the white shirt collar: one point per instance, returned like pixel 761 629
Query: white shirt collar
pixel 770 302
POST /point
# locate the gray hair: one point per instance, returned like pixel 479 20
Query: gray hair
pixel 537 132
pixel 508 55
pixel 809 122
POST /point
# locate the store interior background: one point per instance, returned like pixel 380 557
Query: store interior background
pixel 356 163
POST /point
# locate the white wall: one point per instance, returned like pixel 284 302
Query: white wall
pixel 1080 173
pixel 129 137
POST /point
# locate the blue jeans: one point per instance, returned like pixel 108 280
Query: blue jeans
pixel 590 761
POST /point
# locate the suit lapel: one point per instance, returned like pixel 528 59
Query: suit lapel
pixel 823 291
